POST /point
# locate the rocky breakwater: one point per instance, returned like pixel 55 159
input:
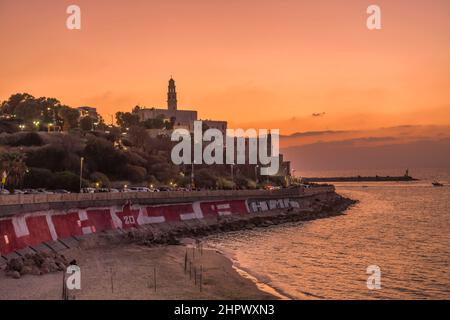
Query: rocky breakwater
pixel 172 233
pixel 36 264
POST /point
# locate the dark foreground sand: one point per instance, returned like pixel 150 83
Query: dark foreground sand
pixel 127 272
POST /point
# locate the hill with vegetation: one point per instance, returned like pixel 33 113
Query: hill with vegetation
pixel 43 141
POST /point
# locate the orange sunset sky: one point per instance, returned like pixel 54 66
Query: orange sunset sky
pixel 264 63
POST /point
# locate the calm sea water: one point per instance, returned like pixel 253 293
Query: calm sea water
pixel 404 228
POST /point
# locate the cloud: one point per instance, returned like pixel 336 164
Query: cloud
pixel 397 134
pixel 351 155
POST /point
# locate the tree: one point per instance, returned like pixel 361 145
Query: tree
pixel 14 165
pixel 48 108
pixel 126 119
pixel 9 106
pixel 86 123
pixel 69 116
pixel 101 155
pixel 138 136
pixel 28 111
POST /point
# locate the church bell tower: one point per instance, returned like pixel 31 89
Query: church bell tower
pixel 172 96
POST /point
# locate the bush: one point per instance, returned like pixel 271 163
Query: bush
pixel 67 180
pixel 38 178
pixel 50 157
pixel 22 139
pixel 101 156
pixel 205 178
pixel 135 173
pixel 30 139
pixel 225 184
pixel 101 178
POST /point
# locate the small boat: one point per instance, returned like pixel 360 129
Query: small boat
pixel 437 184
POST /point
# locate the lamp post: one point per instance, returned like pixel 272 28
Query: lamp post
pixel 192 176
pixel 81 173
pixel 256 173
pixel 232 174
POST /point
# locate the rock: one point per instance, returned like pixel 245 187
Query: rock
pixel 15 264
pixel 172 240
pixel 35 271
pixel 38 264
pixel 38 259
pixel 26 270
pixel 53 267
pixel 44 270
pixel 28 261
pixel 61 266
pixel 13 274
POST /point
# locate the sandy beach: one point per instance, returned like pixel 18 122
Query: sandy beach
pixel 128 271
pixel 117 265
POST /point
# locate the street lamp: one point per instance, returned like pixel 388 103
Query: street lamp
pixel 232 174
pixel 256 173
pixel 81 173
pixel 192 176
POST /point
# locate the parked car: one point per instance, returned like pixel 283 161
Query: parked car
pixel 4 192
pixel 140 189
pixel 61 191
pixel 112 190
pixel 17 191
pixel 87 190
pixel 29 191
pixel 43 191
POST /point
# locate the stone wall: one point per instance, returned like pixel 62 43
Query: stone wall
pixel 16 204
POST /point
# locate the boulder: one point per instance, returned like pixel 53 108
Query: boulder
pixel 26 270
pixel 15 264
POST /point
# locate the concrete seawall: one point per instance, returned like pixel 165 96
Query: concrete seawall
pixel 31 223
pixel 25 203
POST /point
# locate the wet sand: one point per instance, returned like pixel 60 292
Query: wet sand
pixel 117 272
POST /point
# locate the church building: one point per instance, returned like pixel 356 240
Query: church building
pixel 182 118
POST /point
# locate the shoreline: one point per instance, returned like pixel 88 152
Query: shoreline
pixel 256 279
pixel 120 266
pixel 119 272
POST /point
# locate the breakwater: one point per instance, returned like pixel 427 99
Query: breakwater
pixel 56 222
pixel 360 179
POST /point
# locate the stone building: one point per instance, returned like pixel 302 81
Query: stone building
pixel 182 118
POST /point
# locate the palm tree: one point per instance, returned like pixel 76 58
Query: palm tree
pixel 13 164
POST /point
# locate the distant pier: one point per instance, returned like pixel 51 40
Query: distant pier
pixel 406 177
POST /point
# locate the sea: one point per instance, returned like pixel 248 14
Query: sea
pixel 398 232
